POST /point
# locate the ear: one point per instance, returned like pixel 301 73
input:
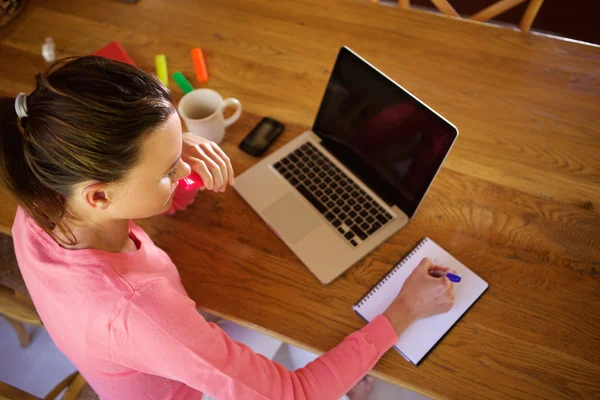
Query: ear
pixel 97 196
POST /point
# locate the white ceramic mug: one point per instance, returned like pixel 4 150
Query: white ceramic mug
pixel 202 110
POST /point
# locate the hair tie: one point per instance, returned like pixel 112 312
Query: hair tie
pixel 21 105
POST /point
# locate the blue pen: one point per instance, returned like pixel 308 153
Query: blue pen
pixel 452 277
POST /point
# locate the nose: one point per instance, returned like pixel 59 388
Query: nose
pixel 184 169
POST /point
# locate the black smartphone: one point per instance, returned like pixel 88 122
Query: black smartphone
pixel 261 137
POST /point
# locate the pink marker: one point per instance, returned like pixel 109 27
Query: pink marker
pixel 191 182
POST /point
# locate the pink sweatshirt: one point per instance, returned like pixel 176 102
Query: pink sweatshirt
pixel 126 322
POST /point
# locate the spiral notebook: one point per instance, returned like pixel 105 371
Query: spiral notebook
pixel 416 342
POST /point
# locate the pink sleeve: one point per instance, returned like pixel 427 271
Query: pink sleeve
pixel 159 332
pixel 181 199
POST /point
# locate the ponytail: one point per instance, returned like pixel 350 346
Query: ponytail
pixel 43 204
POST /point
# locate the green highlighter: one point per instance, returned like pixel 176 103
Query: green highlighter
pixel 182 82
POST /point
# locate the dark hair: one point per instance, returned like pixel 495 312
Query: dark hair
pixel 86 120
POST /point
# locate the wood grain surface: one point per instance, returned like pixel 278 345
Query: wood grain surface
pixel 517 201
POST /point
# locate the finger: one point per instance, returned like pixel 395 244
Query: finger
pixel 439 268
pixel 218 168
pixel 449 284
pixel 443 268
pixel 200 167
pixel 213 167
pixel 209 150
pixel 225 158
pixel 425 264
pixel 437 271
pixel 449 305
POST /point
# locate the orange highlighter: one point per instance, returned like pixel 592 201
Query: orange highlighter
pixel 191 182
pixel 199 65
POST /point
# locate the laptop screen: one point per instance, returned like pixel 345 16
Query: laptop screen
pixel 384 135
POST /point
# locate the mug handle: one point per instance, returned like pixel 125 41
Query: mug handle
pixel 238 112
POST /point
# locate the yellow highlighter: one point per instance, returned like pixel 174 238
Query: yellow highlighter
pixel 161 68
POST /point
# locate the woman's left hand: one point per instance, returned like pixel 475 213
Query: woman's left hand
pixel 209 161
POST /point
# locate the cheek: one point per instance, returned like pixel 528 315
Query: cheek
pixel 153 195
pixel 166 186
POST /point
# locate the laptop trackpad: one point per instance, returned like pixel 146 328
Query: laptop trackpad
pixel 290 218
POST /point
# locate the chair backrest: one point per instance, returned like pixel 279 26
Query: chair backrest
pixel 8 392
pixel 10 275
pixel 489 12
pixel 74 384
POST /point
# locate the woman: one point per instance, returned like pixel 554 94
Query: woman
pixel 97 144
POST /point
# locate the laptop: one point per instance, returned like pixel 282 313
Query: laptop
pixel 336 192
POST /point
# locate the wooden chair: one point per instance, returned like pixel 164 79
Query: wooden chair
pixel 15 305
pixel 18 309
pixel 487 13
pixel 77 389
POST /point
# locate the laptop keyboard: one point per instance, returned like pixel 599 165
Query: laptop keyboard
pixel 348 208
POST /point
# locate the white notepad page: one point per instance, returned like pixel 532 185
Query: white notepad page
pixel 423 334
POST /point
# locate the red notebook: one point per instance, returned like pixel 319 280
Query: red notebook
pixel 115 51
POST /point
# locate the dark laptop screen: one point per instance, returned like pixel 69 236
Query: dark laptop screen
pixel 389 139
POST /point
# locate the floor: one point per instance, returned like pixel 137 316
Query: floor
pixel 39 367
pixel 35 369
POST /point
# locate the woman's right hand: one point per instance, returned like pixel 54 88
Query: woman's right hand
pixel 421 296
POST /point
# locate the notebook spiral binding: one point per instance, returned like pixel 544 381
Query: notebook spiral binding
pixel 379 284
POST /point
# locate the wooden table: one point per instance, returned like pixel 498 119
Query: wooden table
pixel 518 199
